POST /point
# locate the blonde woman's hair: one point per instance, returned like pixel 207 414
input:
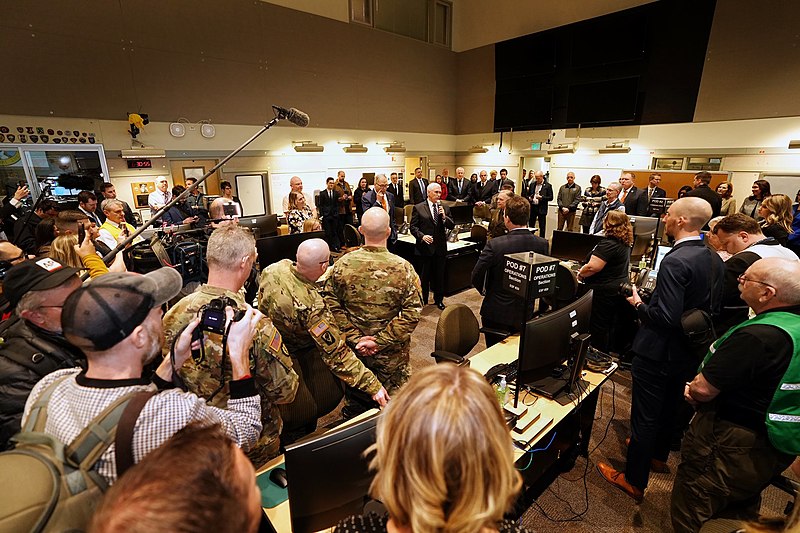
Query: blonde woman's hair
pixel 310 223
pixel 61 249
pixel 780 211
pixel 444 458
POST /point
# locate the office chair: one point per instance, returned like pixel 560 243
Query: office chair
pixel 409 209
pixel 399 216
pixel 352 238
pixel 457 332
pixel 566 289
pixel 318 393
pixel 479 234
pixel 483 212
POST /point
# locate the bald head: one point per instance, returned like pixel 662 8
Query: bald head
pixel 783 275
pixel 375 226
pixel 313 256
pixel 695 211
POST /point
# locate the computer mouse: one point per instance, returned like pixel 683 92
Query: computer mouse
pixel 278 476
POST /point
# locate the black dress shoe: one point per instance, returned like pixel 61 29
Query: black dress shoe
pixel 440 305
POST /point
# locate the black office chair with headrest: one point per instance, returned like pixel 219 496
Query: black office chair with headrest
pixel 352 238
pixel 457 332
pixel 566 289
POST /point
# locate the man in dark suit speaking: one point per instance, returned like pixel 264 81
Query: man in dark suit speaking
pixel 501 309
pixel 430 221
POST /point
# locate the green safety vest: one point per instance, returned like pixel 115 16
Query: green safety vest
pixel 783 414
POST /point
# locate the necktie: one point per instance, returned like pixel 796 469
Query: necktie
pixel 460 182
pixel 649 194
pixel 624 194
pixel 383 203
pixel 435 213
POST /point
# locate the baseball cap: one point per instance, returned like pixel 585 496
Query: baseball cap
pixel 107 310
pixel 35 275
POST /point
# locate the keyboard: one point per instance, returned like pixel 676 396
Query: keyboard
pixel 509 370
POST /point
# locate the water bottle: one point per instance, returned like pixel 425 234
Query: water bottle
pixel 642 263
pixel 502 390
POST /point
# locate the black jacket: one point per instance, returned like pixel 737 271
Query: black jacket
pixel 631 202
pixel 466 192
pixel 643 207
pixel 483 192
pixel 547 196
pixel 328 207
pixel 709 195
pixel 370 199
pixel 415 195
pixel 498 304
pixel 422 224
pixel 27 354
pixel 397 191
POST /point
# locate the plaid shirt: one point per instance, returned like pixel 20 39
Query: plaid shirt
pixel 78 399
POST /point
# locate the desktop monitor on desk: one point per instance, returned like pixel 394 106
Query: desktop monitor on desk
pixel 273 249
pixel 572 246
pixel 328 476
pixel 262 226
pixel 462 214
pixel 549 341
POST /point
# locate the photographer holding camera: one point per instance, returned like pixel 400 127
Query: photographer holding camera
pixel 231 254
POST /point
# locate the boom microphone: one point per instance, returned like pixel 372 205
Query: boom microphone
pixel 295 116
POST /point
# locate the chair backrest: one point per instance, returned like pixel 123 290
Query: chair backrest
pixel 352 237
pixel 457 330
pixel 408 210
pixel 399 216
pixel 482 211
pixel 479 234
pixel 566 288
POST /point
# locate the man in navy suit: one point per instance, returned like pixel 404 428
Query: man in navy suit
pixel 539 193
pixel 460 188
pixel 501 309
pixel 329 213
pixel 396 188
pixel 381 197
pixel 430 221
pixel 418 188
pixel 652 191
pixel 663 361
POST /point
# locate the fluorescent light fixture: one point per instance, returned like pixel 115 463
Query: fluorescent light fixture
pixel 794 144
pixel 355 148
pixel 395 147
pixel 615 148
pixel 308 146
pixel 142 153
pixel 562 149
pixel 478 149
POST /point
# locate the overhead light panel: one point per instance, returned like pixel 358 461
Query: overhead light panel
pixel 478 149
pixel 794 144
pixel 615 148
pixel 308 146
pixel 562 149
pixel 395 147
pixel 143 153
pixel 355 148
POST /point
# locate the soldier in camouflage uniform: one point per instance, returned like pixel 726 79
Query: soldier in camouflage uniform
pixel 231 254
pixel 373 292
pixel 289 296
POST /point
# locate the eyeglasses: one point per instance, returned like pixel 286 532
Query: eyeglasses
pixel 50 306
pixel 744 279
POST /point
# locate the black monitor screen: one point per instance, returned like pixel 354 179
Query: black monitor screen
pixel 328 476
pixel 547 338
pixel 273 249
pixel 644 225
pixel 262 226
pixel 462 214
pixel 572 246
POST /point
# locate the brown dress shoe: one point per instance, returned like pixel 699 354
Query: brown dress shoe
pixel 617 479
pixel 659 467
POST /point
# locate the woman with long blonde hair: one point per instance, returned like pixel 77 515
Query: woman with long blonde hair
pixel 443 458
pixel 776 210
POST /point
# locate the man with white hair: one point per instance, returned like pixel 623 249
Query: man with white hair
pixel 430 221
pixel 289 296
pixel 161 196
pixel 611 203
pixel 745 384
pixel 374 293
pixel 296 184
pixel 115 225
pixel 381 197
pixel 460 188
pixel 663 360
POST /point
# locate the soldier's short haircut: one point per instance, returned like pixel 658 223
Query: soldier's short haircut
pixel 736 223
pixel 518 210
pixel 227 246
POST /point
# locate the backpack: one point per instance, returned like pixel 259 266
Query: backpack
pixel 54 486
pixel 188 260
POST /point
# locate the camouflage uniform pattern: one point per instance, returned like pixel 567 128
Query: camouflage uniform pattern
pixel 297 309
pixel 270 365
pixel 371 291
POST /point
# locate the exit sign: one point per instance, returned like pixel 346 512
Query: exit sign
pixel 536 146
pixel 140 163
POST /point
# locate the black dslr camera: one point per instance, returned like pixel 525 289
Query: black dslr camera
pixel 212 315
pixel 626 290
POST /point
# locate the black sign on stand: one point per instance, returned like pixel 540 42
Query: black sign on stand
pixel 529 275
pixel 658 206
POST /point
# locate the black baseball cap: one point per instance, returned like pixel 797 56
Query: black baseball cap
pixel 108 309
pixel 38 274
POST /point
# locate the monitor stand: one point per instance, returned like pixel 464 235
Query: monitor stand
pixel 563 390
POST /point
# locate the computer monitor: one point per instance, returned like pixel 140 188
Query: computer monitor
pixel 644 229
pixel 462 214
pixel 572 246
pixel 262 226
pixel 548 343
pixel 328 476
pixel 644 225
pixel 273 249
pixel 660 253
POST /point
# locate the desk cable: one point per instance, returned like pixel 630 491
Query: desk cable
pixel 531 452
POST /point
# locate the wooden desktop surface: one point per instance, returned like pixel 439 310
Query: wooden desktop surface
pixel 503 352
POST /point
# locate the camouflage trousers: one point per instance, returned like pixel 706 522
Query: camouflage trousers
pixel 391 367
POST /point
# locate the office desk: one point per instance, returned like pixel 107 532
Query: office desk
pixel 459 261
pixel 561 441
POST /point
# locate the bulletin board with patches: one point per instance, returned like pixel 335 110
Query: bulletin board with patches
pixel 141 191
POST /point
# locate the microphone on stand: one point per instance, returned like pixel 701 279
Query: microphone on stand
pixel 295 116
